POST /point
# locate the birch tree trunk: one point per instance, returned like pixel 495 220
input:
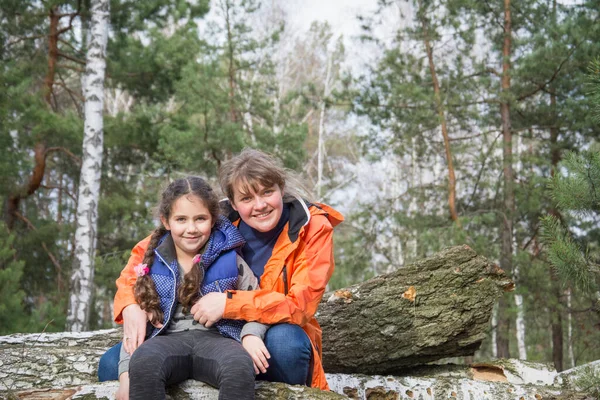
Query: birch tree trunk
pixel 82 278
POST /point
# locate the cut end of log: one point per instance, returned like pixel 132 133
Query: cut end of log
pixel 488 373
pixel 509 286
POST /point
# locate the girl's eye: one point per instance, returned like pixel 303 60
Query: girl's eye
pixel 201 219
pixel 180 219
pixel 269 191
pixel 245 199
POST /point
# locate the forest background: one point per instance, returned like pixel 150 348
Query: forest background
pixel 447 130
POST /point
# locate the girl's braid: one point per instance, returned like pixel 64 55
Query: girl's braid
pixel 144 289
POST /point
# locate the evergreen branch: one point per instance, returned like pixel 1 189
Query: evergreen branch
pixel 542 86
pixel 22 39
pixel 565 256
pixel 52 257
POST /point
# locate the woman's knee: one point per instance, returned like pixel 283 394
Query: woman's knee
pixel 108 366
pixel 288 341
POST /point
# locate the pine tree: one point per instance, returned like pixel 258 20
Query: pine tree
pixel 575 191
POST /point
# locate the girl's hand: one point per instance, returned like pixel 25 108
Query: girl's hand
pixel 134 327
pixel 209 309
pixel 258 351
pixel 123 390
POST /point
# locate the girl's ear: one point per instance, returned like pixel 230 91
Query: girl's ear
pixel 165 222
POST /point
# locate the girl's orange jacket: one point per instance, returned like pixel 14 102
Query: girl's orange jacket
pixel 291 286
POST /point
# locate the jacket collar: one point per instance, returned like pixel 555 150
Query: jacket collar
pixel 166 249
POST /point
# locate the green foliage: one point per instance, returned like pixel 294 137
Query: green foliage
pixel 588 381
pixel 574 191
pixel 12 310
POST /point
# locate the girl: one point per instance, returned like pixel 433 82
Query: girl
pixel 289 245
pixel 192 253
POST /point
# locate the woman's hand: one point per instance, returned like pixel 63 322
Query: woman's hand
pixel 209 309
pixel 123 390
pixel 134 327
pixel 258 351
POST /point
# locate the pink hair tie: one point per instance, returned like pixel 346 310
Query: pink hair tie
pixel 141 269
pixel 196 258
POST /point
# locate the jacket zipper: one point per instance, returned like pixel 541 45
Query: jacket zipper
pixel 285 282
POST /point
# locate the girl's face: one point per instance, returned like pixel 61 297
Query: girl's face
pixel 260 209
pixel 190 224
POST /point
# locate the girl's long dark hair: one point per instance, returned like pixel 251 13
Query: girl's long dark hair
pixel 144 289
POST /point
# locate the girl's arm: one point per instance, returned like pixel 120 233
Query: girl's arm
pixel 123 391
pixel 253 333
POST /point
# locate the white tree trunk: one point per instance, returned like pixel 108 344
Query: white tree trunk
pixel 570 330
pixel 520 321
pixel 494 339
pixel 82 278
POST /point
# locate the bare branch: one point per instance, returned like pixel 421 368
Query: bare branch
pixel 66 151
pixel 52 187
pixel 69 57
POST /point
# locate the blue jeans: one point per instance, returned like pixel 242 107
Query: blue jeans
pixel 290 362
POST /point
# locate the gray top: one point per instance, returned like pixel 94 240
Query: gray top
pixel 181 321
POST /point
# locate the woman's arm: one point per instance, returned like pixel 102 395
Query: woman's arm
pixel 312 270
pixel 126 311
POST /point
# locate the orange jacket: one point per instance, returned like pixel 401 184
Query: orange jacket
pixel 291 286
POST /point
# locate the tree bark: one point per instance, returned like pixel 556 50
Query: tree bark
pixel 506 254
pixel 82 278
pixel 441 116
pixel 436 308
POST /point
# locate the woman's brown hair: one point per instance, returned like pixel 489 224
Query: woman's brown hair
pixel 144 289
pixel 253 167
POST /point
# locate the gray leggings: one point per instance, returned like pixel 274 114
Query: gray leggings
pixel 201 355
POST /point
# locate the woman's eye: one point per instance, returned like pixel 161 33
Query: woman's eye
pixel 180 219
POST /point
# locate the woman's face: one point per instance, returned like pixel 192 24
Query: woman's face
pixel 260 209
